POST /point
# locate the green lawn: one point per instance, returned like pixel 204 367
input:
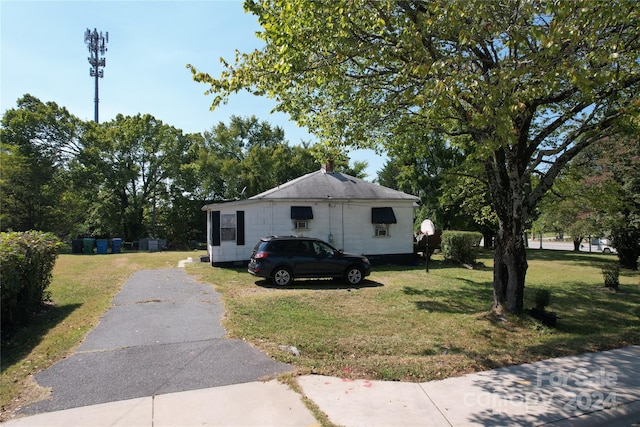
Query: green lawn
pixel 406 324
pixel 401 324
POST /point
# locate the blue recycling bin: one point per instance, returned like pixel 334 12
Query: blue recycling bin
pixel 101 246
pixel 116 245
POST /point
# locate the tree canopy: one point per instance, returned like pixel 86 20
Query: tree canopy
pixel 520 87
pixel 37 142
pixel 135 176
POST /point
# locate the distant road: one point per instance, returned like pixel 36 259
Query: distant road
pixel 561 245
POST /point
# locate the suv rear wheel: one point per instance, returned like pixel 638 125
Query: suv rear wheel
pixel 281 276
pixel 353 275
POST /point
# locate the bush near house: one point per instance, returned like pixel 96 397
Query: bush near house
pixel 26 263
pixel 461 246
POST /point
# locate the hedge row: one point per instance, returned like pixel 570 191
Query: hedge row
pixel 26 264
pixel 460 246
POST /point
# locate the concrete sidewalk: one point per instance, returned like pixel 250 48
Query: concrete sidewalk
pixel 592 389
pixel 250 404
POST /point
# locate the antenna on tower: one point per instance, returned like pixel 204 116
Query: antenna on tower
pixel 96 43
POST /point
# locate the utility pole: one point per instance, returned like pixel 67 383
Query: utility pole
pixel 97 44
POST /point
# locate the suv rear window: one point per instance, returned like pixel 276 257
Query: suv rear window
pixel 261 246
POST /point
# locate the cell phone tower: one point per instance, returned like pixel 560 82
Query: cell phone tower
pixel 97 44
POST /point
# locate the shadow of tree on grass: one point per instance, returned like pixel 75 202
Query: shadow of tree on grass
pixel 17 344
pixel 473 298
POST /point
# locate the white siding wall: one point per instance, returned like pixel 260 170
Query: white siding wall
pixel 347 225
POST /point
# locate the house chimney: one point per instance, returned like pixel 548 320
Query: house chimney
pixel 327 167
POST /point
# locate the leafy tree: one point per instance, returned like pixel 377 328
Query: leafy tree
pixel 599 194
pixel 221 154
pixel 466 196
pixel 521 87
pixel 417 167
pixel 37 142
pixel 619 167
pixel 247 157
pixel 134 161
pixel 579 202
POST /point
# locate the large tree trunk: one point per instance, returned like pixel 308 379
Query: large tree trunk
pixel 577 240
pixel 509 271
pixel 510 259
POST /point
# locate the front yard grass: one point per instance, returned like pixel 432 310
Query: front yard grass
pixel 400 324
pixel 406 324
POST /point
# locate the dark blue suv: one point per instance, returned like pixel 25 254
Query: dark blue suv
pixel 283 259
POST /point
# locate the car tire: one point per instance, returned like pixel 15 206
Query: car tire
pixel 606 250
pixel 281 276
pixel 353 275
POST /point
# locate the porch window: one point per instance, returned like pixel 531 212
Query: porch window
pixel 228 227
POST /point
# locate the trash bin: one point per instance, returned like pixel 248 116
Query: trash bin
pixel 101 246
pixel 143 245
pixel 76 246
pixel 153 245
pixel 87 246
pixel 116 245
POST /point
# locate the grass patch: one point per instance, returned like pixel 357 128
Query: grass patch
pixel 81 291
pixel 400 324
pixel 405 324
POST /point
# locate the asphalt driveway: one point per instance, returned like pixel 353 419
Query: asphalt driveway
pixel 161 335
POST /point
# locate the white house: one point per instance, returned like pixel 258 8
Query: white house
pixel 352 214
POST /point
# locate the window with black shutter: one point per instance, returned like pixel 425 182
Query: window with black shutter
pixel 300 215
pixel 381 218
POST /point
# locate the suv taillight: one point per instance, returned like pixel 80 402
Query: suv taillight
pixel 260 254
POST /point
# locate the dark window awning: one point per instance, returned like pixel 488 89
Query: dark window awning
pixel 301 212
pixel 383 216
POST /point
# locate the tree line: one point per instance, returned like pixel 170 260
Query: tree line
pixel 135 176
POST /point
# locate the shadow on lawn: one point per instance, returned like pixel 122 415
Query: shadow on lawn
pixel 320 284
pixel 465 299
pixel 598 310
pixel 17 344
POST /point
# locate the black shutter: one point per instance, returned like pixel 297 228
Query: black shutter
pixel 215 228
pixel 240 228
pixel 301 212
pixel 383 216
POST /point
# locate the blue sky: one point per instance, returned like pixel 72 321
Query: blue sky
pixel 150 42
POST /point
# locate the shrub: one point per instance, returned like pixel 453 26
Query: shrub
pixel 26 263
pixel 626 240
pixel 611 273
pixel 461 246
pixel 543 298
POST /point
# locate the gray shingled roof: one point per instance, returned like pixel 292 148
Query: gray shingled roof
pixel 331 185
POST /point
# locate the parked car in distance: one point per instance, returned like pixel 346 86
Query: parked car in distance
pixel 602 245
pixel 605 244
pixel 283 259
